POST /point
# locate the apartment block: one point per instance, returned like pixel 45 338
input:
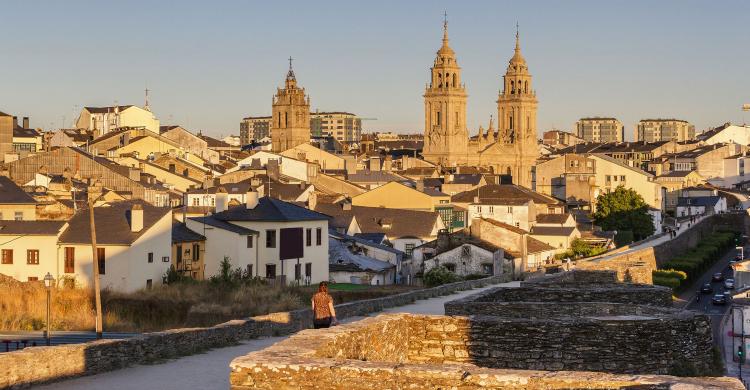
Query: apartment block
pixel 598 129
pixel 254 128
pixel 654 130
pixel 342 126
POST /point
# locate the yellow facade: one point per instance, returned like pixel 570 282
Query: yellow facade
pixel 172 179
pixel 611 174
pixel 398 196
pixel 147 145
pixel 105 119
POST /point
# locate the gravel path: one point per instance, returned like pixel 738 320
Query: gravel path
pixel 210 370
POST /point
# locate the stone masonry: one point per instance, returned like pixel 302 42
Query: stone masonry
pixel 399 351
pixel 37 365
pixel 583 320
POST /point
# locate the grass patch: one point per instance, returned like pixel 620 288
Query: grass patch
pixel 347 286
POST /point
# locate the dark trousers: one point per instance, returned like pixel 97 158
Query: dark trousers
pixel 322 322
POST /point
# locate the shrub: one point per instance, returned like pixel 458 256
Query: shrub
pixel 476 276
pixel 671 273
pixel 672 283
pixel 624 237
pixel 439 275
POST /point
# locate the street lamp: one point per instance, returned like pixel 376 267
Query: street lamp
pixel 48 279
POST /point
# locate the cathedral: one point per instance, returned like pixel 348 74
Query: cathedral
pixel 510 149
pixel 290 115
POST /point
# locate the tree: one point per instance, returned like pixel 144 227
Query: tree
pixel 624 210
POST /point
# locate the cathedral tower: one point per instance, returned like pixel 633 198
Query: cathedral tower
pixel 290 120
pixel 445 134
pixel 516 113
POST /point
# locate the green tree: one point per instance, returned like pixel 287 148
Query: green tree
pixel 624 209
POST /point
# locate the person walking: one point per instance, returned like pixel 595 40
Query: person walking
pixel 324 315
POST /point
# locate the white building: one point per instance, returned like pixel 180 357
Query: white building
pixel 287 166
pixel 266 237
pixel 102 120
pixel 727 133
pixel 29 249
pixel 134 245
pixel 520 213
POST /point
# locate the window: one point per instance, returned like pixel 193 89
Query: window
pixel 408 249
pixel 466 250
pixel 196 202
pixel 270 238
pixel 510 209
pixel 250 270
pixel 19 216
pixel 622 178
pixel 249 241
pixel 178 254
pixel 607 178
pixel 32 256
pixel 450 267
pixel 7 256
pixel 308 237
pixel 271 271
pixel 33 279
pixel 165 259
pixel 319 236
pixel 297 271
pixel 308 270
pixel 196 252
pixel 101 257
pixel 150 257
pixel 149 284
pixel 70 259
pixel 492 209
pixel 487 269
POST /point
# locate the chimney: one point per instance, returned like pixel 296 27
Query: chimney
pixel 15 121
pixel 251 199
pixel 420 185
pixel 346 206
pixel 25 122
pixel 312 200
pixel 136 218
pixel 443 239
pixel 221 199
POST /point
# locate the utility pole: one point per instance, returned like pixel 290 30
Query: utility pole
pixel 95 257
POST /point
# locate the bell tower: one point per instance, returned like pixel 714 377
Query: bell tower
pixel 290 120
pixel 445 135
pixel 516 114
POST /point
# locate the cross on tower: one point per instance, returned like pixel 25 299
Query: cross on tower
pixel 290 62
pixel 445 19
pixel 516 29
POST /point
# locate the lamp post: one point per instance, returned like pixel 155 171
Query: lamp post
pixel 48 279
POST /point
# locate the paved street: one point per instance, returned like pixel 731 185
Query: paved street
pixel 210 370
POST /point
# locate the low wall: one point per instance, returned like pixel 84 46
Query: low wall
pixel 36 365
pixel 544 310
pixel 637 266
pixel 429 352
pixel 632 294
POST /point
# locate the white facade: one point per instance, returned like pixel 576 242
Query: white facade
pixel 465 260
pixel 731 134
pixel 518 215
pixel 656 217
pixel 240 249
pixel 20 245
pixel 290 167
pixel 127 268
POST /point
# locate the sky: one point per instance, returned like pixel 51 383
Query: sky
pixel 209 64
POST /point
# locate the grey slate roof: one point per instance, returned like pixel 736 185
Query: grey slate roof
pixel 224 225
pixel 359 239
pixel 338 254
pixel 270 209
pixel 10 193
pixel 181 233
pixel 698 201
pixel 30 228
pixel 112 224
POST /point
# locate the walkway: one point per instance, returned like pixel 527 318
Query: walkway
pixel 210 370
pixel 664 237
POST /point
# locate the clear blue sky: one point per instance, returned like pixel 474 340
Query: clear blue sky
pixel 211 63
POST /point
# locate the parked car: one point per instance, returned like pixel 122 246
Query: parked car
pixel 717 277
pixel 719 299
pixel 707 289
pixel 729 284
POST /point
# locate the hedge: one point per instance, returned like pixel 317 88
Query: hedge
pixel 672 283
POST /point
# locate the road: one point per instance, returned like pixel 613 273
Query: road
pixel 210 370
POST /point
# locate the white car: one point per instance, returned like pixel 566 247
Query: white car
pixel 729 284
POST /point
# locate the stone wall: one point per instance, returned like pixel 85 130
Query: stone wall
pixel 36 365
pixel 637 266
pixel 429 352
pixel 632 294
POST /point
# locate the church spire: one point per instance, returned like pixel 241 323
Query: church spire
pixel 445 29
pixel 517 56
pixel 291 80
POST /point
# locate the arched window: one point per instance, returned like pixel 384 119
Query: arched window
pixel 279 120
pixel 454 80
pixel 512 87
pixel 510 121
pixel 525 87
pixel 440 80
